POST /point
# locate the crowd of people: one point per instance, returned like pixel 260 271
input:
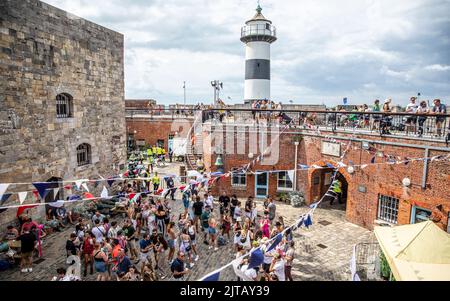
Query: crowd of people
pixel 137 234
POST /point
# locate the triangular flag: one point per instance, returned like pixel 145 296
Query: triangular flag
pixel 291 175
pixel 314 205
pixel 78 183
pixel 68 187
pixel 85 186
pixel 22 196
pixel 213 276
pixel 363 166
pixel 4 197
pixel 308 221
pixel 300 223
pixel 373 160
pixel 303 166
pixel 316 166
pixel 55 192
pixel 3 188
pixel 104 193
pixel 43 188
pixel 256 258
pixel 278 239
pixel 110 181
pixel 341 164
pixel 329 165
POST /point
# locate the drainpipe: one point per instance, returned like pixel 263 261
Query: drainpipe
pixel 295 166
pixel 425 169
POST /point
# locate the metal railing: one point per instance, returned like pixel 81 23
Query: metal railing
pixel 429 125
pixel 433 126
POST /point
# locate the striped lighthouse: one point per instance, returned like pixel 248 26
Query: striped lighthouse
pixel 257 34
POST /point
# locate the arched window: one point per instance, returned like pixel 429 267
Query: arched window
pixel 83 154
pixel 64 105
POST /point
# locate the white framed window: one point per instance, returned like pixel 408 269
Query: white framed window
pixel 238 179
pixel 387 208
pixel 284 182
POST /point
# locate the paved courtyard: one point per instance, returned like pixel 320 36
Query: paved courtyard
pixel 323 251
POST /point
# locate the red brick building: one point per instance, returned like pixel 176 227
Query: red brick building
pixel 372 194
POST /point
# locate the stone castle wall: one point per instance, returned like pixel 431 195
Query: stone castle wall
pixel 45 51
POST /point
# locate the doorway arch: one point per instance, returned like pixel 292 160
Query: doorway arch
pixel 320 182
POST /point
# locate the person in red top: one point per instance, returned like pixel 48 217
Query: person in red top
pixel 88 252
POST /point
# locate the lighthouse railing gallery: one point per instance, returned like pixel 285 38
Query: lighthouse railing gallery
pixel 258 30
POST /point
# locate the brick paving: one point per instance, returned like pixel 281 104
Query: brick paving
pixel 330 261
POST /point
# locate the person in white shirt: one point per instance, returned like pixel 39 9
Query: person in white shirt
pixel 411 120
pixel 423 109
pixel 208 201
pixel 277 267
pixel 99 231
pixel 248 274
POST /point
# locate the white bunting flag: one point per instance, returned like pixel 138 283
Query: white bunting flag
pixel 104 193
pixel 291 175
pixel 316 166
pixel 78 183
pixel 55 192
pixel 3 188
pixel 85 186
pixel 22 196
pixel 341 164
pixel 363 166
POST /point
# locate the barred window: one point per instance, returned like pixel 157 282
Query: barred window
pixel 387 208
pixel 64 105
pixel 284 182
pixel 238 179
pixel 83 154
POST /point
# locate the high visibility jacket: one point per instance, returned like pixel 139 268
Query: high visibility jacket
pixel 149 152
pixel 163 151
pixel 158 151
pixel 337 187
pixel 154 150
pixel 155 180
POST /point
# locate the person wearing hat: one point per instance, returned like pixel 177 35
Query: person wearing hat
pixel 386 120
pixel 27 242
pixel 277 266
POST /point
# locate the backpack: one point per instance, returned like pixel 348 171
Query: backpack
pixel 221 241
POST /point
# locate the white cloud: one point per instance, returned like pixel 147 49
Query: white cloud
pixel 325 49
pixel 437 67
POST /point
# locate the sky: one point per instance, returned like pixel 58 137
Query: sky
pixel 326 49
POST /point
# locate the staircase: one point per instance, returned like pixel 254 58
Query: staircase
pixel 193 151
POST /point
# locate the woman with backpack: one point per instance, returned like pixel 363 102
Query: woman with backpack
pixel 212 231
pixel 100 260
pixel 192 231
pixel 186 245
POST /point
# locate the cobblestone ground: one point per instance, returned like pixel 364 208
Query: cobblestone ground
pixel 323 251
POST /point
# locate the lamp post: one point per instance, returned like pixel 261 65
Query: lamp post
pixel 184 88
pixel 296 143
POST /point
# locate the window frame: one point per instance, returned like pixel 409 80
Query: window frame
pixel 84 154
pixel 414 213
pixel 239 176
pixel 64 106
pixel 385 211
pixel 286 180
